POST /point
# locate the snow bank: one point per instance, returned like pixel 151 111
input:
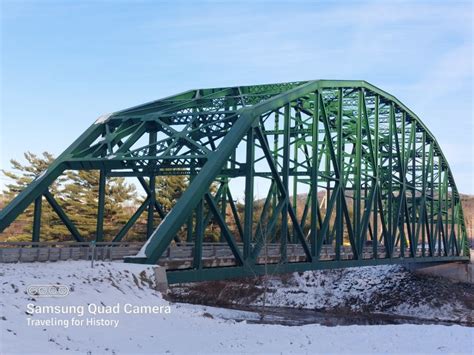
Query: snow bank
pixel 185 329
pixel 387 289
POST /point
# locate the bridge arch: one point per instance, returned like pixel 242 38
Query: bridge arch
pixel 353 177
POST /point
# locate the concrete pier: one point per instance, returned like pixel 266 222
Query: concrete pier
pixel 161 280
pixel 461 272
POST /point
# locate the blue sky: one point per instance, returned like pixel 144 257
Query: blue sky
pixel 64 63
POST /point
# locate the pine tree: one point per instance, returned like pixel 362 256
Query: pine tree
pixel 22 175
pixel 169 189
pixel 80 199
pixel 77 193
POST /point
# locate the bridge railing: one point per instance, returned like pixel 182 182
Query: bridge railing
pixel 177 256
pixel 11 252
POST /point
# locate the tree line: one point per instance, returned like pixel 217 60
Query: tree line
pixel 77 194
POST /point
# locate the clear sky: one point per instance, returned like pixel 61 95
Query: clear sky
pixel 63 63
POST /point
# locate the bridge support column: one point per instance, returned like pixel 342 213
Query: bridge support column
pixel 37 220
pixel 101 206
pixel 249 210
pixel 459 271
pixel 161 280
pixel 151 207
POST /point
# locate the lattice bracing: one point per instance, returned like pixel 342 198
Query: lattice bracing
pixel 351 177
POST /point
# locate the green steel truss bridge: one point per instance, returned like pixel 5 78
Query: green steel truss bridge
pixel 348 174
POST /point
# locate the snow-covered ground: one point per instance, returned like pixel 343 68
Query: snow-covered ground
pixel 179 328
pixel 386 289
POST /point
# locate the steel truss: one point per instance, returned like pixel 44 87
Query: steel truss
pixel 386 192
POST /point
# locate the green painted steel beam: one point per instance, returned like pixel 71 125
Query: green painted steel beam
pixel 384 177
pixel 101 207
pixel 37 220
pixel 62 215
pixel 38 186
pixel 133 219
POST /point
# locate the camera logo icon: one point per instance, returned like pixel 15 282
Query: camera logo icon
pixel 48 290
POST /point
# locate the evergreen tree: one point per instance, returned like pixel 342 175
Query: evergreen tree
pixel 169 189
pixel 77 193
pixel 21 176
pixel 80 199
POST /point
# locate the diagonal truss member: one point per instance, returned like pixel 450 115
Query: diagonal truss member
pixel 353 178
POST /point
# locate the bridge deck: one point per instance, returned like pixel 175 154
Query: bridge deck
pixel 178 258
